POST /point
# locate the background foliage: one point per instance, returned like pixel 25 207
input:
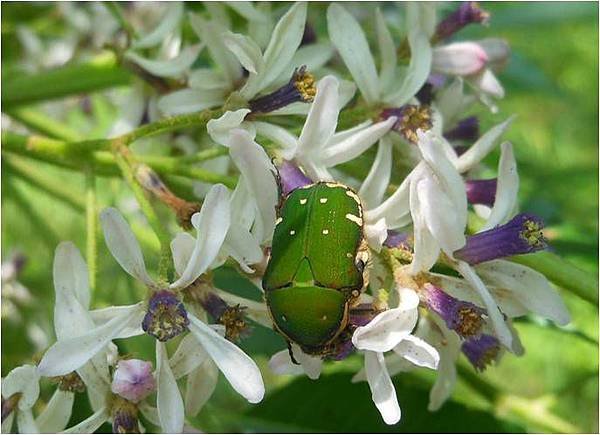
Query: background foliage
pixel 551 83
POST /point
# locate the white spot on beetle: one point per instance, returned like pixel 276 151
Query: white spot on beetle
pixel 325 232
pixel 292 232
pixel 323 200
pixel 279 220
pixel 284 318
pixel 349 254
pixel 303 201
pixel 354 219
pixel 324 317
pixel 354 196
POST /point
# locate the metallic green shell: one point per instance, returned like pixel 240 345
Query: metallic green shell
pixel 312 270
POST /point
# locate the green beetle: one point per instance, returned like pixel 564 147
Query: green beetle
pixel 316 270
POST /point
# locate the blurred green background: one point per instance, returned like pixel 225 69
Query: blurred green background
pixel 551 84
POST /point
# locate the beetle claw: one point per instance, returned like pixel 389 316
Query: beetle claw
pixel 291 352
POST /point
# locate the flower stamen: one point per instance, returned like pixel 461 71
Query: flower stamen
pixel 166 316
pixel 411 118
pixel 301 87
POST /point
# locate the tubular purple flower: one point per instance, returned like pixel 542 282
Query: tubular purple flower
pixel 481 351
pixel 292 177
pixel 466 129
pixel 124 416
pixel 166 316
pixel 467 13
pixel 301 87
pixel 133 379
pixel 481 191
pixel 463 317
pixel 522 235
pixel 343 351
pixel 232 317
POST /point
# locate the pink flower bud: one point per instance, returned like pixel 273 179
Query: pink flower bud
pixel 459 59
pixel 133 379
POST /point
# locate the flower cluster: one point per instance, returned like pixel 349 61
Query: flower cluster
pixel 440 278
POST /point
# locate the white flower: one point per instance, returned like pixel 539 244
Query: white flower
pixel 190 261
pixel 390 86
pixel 318 147
pixel 391 330
pixel 22 380
pixel 281 363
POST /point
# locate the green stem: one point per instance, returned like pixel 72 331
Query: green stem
pixel 62 154
pixel 155 223
pixel 91 227
pixel 42 181
pixel 99 73
pixel 204 155
pixel 562 273
pixel 115 9
pixel 42 123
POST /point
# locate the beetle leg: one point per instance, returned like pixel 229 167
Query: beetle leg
pixel 291 352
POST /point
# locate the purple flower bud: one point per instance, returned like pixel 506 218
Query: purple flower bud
pixel 309 36
pixel 481 351
pixel 481 191
pixel 301 87
pixel 397 240
pixel 133 379
pixel 436 80
pixel 166 316
pixel 463 317
pixel 410 119
pixel 292 177
pixel 213 305
pixel 522 235
pixel 467 129
pixel 124 416
pixel 467 13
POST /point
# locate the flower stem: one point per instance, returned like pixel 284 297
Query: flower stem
pixel 563 273
pixel 121 158
pixel 91 227
pixel 40 122
pixel 115 9
pixel 100 72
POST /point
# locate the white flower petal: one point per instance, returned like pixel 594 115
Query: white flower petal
pixel 311 365
pixel 103 315
pixel 500 328
pixel 71 273
pixel 528 286
pixel 7 423
pixel 373 188
pixel 313 56
pixel 123 245
pixel 211 224
pixel 426 248
pixel 259 173
pixel 450 101
pixel 25 380
pixel 355 145
pixel 149 412
pixel 210 33
pixel 70 354
pixel 507 188
pixel 245 50
pixel 285 39
pixel 247 10
pixel 201 384
pixel 444 383
pixel 383 392
pixel 387 52
pixel 219 129
pixel 351 42
pixel 459 58
pixel 131 112
pixel 207 80
pixel 487 83
pixel 239 369
pixel 280 136
pixel 420 59
pixel 322 118
pixel 256 311
pixel 418 352
pixel 376 233
pixel 168 68
pixel 440 216
pixel 188 356
pixel 90 424
pixel 388 328
pixel 182 247
pixel 190 100
pixel 167 24
pixel 57 413
pixel 26 423
pixel 168 398
pixel 397 205
pixel 96 380
pixel 482 147
pixel 281 364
